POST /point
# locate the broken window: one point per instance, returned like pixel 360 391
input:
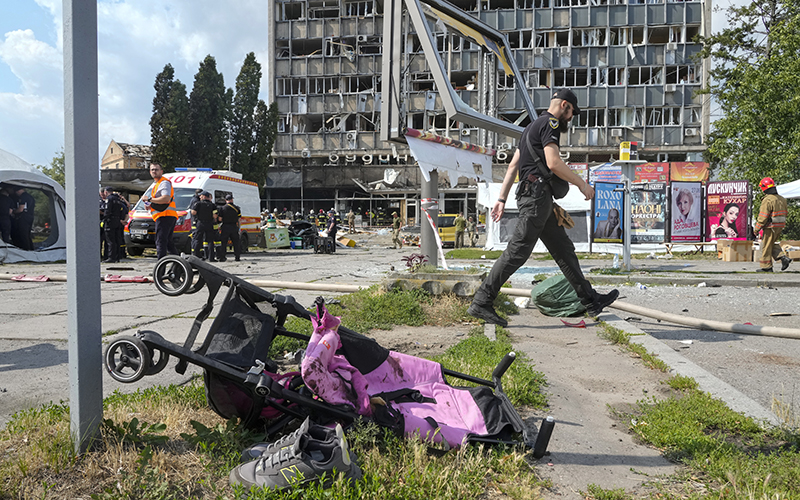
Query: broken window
pixel 691 115
pixel 659 34
pixel 683 74
pixel 291 86
pixel 645 75
pixel 292 10
pixel 589 37
pixel 359 9
pixel 323 85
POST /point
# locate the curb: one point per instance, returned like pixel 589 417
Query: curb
pixel 691 281
pixel 707 382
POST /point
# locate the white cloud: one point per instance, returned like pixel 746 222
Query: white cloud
pixel 37 64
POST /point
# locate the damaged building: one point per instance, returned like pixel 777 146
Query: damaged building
pixel 633 65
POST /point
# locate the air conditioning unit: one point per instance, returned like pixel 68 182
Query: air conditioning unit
pixel 351 136
pixel 362 38
pixel 505 146
pixel 690 132
pixel 616 132
pixel 464 131
pixel 670 87
pixel 305 153
pixel 565 51
pixel 673 46
pixel 538 51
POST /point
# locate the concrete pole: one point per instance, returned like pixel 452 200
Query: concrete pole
pixel 83 220
pixel 430 191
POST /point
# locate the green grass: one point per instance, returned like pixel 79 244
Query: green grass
pixel 473 253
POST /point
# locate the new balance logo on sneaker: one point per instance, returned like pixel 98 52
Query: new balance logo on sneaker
pixel 305 460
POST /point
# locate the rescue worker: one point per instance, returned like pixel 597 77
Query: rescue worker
pixel 23 222
pixel 114 215
pixel 6 209
pixel 771 220
pixel 472 231
pixel 460 224
pixel 541 173
pixel 160 200
pixel 311 218
pixel 103 243
pixel 351 221
pixel 333 228
pixel 194 201
pixel 204 213
pixel 396 223
pixel 322 219
pixel 229 230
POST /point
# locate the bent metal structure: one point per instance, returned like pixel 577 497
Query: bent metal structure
pixel 50 218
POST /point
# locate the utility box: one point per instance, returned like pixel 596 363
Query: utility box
pixel 735 250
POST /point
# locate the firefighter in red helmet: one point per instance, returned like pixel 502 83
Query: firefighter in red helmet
pixel 771 220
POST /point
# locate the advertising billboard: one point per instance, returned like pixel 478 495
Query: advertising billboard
pixel 686 200
pixel 607 212
pixel 727 205
pixel 648 212
pixel 652 172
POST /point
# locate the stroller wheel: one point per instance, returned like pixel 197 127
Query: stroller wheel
pixel 173 276
pixel 127 359
pixel 197 285
pixel 157 363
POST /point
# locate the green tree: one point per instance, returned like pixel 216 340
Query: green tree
pixel 158 132
pixel 174 148
pixel 243 114
pixel 756 82
pixel 56 169
pixel 265 131
pixel 209 105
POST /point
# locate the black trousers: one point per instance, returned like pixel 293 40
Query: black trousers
pixel 230 232
pixel 203 240
pixel 165 227
pixel 113 242
pixel 536 221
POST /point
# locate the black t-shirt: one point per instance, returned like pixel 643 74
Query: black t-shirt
pixel 542 131
pixel 230 213
pixel 6 204
pixel 30 206
pixel 115 211
pixel 205 211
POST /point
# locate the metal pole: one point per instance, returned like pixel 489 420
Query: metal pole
pixel 430 191
pixel 83 242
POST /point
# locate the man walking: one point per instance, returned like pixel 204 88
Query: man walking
pixel 203 214
pixel 460 224
pixel 540 168
pixel 472 231
pixel 114 216
pixel 771 220
pixel 229 230
pixel 396 223
pixel 351 221
pixel 333 228
pixel 160 200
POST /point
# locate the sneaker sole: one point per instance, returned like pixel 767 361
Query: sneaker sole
pixel 478 313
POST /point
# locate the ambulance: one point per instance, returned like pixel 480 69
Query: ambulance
pixel 141 228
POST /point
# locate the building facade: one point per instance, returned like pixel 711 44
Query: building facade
pixel 633 66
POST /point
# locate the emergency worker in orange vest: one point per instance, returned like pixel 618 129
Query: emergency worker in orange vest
pixel 771 219
pixel 160 200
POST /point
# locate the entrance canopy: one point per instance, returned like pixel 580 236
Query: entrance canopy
pixel 790 189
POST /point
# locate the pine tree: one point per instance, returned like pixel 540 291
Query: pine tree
pixel 163 87
pixel 209 105
pixel 243 114
pixel 175 148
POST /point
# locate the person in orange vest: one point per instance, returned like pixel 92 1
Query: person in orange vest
pixel 772 219
pixel 160 200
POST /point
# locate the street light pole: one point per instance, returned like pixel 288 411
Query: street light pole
pixel 228 126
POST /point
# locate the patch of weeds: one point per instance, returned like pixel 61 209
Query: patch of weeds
pixel 623 339
pixel 478 356
pixel 375 308
pixel 132 432
pixel 597 493
pixel 414 261
pixel 473 253
pixel 223 443
pixel 145 482
pixel 681 383
pixel 282 344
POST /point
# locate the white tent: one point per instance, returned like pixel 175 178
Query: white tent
pixel 790 189
pixel 14 171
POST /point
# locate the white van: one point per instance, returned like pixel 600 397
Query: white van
pixel 141 229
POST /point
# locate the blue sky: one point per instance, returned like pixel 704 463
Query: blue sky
pixel 136 39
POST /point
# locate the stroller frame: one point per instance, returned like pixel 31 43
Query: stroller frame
pixel 129 358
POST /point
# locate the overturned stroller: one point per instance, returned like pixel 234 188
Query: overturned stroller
pixel 344 375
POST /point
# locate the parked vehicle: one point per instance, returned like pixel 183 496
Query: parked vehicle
pixel 140 229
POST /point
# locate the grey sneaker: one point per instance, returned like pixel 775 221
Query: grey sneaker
pixel 318 432
pixel 305 461
pixel 601 302
pixel 486 313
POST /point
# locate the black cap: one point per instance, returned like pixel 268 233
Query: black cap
pixel 205 193
pixel 108 189
pixel 570 97
pixel 228 196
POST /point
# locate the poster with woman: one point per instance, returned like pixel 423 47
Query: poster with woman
pixel 726 210
pixel 607 213
pixel 648 212
pixel 685 213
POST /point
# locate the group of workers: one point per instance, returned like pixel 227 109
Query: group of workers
pixel 16 216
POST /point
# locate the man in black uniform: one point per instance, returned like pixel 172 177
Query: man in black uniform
pixel 229 230
pixel 23 224
pixel 333 228
pixel 203 214
pixel 6 209
pixel 114 216
pixel 541 172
